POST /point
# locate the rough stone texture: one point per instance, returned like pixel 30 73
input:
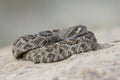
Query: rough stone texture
pixel 103 64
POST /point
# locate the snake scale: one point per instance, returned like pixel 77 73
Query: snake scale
pixel 54 45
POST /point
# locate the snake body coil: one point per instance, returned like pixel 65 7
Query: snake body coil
pixel 55 45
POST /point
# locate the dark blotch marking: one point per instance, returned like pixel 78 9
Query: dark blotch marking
pixel 46 33
pixel 73 49
pixel 27 46
pixel 44 59
pixel 51 57
pixel 82 45
pixel 49 49
pixel 61 51
pixel 55 30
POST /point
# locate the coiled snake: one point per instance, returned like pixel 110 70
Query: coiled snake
pixel 54 45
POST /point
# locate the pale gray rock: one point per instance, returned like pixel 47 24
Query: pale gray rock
pixel 103 64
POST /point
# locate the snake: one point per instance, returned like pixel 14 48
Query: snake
pixel 54 45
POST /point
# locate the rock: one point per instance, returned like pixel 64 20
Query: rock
pixel 103 64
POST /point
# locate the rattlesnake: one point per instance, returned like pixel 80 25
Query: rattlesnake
pixel 54 45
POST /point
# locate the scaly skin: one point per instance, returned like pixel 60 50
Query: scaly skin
pixel 55 45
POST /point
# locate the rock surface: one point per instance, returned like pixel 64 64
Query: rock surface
pixel 103 64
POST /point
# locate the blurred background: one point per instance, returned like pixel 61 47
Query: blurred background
pixel 20 17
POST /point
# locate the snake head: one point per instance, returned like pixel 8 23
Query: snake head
pixel 75 31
